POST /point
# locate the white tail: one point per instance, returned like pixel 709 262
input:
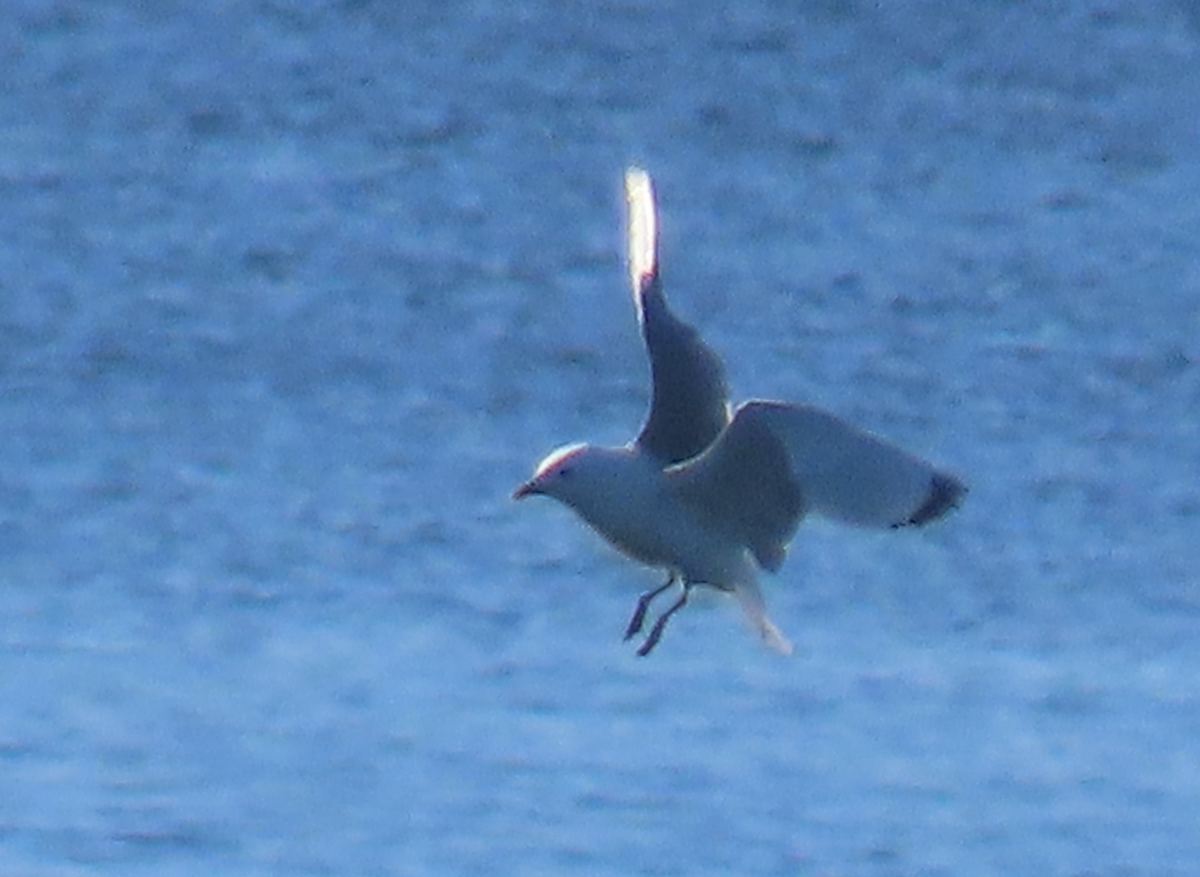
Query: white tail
pixel 755 608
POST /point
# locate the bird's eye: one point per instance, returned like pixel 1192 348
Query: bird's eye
pixel 566 472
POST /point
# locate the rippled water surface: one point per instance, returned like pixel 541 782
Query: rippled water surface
pixel 294 293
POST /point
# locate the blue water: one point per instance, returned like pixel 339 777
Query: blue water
pixel 294 293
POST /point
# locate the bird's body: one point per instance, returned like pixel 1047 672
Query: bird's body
pixel 709 495
pixel 627 497
pixel 644 511
pixel 622 494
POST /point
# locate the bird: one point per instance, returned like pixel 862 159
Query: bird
pixel 710 493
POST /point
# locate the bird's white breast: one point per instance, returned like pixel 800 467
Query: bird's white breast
pixel 636 510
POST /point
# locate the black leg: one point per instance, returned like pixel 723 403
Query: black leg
pixel 656 632
pixel 643 603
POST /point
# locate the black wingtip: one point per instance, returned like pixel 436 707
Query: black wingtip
pixel 945 494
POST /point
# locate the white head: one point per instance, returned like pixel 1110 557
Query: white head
pixel 560 474
pixel 618 491
pixel 586 478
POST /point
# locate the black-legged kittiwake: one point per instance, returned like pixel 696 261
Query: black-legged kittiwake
pixel 708 495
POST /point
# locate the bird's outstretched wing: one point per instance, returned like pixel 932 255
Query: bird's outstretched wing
pixel 688 407
pixel 777 462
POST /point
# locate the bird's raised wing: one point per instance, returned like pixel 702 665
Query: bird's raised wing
pixel 688 407
pixel 776 462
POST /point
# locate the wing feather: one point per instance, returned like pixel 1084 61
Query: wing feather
pixel 776 462
pixel 850 475
pixel 744 486
pixel 688 407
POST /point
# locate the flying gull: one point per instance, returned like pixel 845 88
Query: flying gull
pixel 709 495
